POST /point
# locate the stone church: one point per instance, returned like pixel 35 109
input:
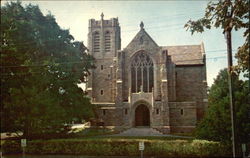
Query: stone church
pixel 161 87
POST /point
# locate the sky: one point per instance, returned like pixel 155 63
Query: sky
pixel 163 20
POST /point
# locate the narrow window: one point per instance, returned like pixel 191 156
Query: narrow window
pixel 181 111
pixel 104 111
pixel 101 67
pixel 107 41
pixel 157 111
pixel 126 111
pixel 96 42
pixel 101 92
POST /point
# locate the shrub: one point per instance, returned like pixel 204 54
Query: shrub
pixel 119 147
pixel 11 146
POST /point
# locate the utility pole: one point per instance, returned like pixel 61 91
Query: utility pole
pixel 228 37
pixel 230 84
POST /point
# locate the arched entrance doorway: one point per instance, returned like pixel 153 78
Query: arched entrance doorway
pixel 142 116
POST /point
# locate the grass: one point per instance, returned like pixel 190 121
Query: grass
pixel 100 132
pixel 183 134
pixel 158 138
pixel 123 138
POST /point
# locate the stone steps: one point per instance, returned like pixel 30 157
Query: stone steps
pixel 140 131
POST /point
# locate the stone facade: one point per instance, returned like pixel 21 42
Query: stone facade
pixel 144 84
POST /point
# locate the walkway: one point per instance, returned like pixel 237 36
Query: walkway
pixel 146 131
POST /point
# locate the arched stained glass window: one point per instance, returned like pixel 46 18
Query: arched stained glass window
pixel 142 73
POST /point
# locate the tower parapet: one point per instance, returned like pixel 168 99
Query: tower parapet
pixel 113 22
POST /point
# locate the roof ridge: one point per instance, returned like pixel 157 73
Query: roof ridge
pixel 182 45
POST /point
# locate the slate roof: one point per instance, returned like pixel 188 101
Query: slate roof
pixel 186 54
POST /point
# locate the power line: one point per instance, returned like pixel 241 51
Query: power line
pixel 165 18
pixel 74 62
pixel 158 63
pixel 152 27
pixel 37 41
pixel 78 62
pixel 65 42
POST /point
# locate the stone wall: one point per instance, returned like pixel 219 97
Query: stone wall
pixel 174 117
pixel 103 77
pixel 111 116
pixel 171 75
pixel 191 85
pixel 182 116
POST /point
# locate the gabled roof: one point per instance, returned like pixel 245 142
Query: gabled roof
pixel 181 55
pixel 142 36
pixel 186 54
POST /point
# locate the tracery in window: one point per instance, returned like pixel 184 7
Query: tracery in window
pixel 142 73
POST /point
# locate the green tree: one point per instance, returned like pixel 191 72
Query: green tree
pixel 41 65
pixel 216 125
pixel 227 15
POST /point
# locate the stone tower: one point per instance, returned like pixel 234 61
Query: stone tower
pixel 103 42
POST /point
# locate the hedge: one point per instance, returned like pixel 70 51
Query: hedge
pixel 119 147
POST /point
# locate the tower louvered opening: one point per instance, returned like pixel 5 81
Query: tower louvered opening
pixel 96 42
pixel 107 38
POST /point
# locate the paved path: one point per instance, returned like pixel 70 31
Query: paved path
pixel 145 131
pixel 140 132
pixel 8 135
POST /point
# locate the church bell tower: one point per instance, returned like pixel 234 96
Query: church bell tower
pixel 104 41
